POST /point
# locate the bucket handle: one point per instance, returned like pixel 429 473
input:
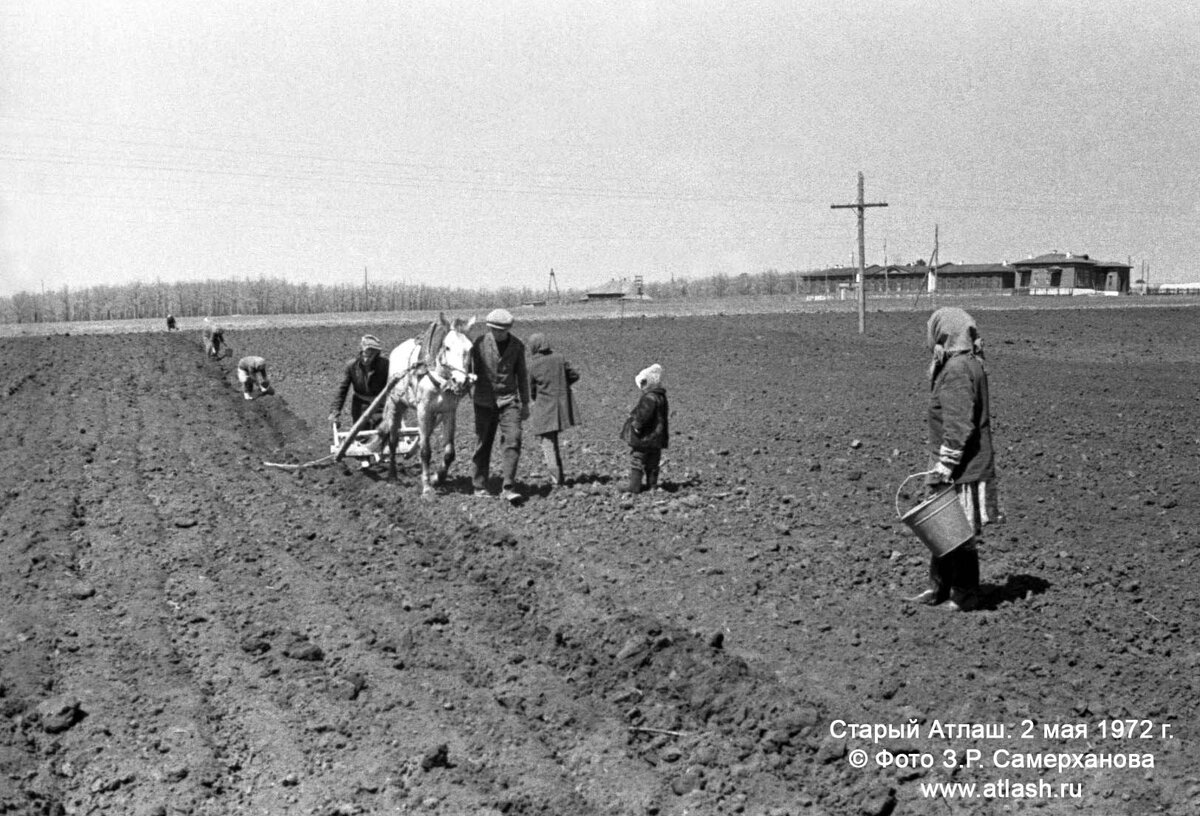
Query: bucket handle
pixel 900 489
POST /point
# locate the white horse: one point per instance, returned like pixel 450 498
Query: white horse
pixel 433 374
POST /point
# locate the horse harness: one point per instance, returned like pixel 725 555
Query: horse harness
pixel 422 369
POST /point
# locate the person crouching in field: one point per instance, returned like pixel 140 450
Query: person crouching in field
pixel 252 372
pixel 364 379
pixel 960 437
pixel 646 430
pixel 170 322
pixel 214 338
pixel 553 409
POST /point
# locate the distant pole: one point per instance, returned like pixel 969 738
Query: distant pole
pixel 861 206
pixel 929 282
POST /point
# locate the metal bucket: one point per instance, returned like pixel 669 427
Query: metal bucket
pixel 939 521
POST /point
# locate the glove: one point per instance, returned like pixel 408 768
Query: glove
pixel 333 417
pixel 941 472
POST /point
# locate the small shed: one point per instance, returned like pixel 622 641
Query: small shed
pixel 618 289
pixel 1063 272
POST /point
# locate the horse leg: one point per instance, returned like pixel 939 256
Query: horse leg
pixel 393 439
pixel 425 419
pixel 449 420
pixel 389 432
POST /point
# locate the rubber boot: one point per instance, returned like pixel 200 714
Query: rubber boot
pixel 635 480
pixel 652 479
pixel 968 575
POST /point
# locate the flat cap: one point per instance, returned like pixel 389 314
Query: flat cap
pixel 499 319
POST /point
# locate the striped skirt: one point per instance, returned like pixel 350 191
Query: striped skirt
pixel 981 502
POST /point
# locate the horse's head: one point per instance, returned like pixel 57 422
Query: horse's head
pixel 454 355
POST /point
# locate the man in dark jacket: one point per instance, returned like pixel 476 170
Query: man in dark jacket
pixel 365 377
pixel 501 401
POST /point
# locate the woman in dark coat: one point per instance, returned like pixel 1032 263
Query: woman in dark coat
pixel 960 437
pixel 550 381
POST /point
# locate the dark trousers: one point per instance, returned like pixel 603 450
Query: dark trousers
pixel 357 407
pixel 488 421
pixel 643 462
pixel 956 571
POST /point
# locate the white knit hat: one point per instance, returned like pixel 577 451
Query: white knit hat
pixel 649 377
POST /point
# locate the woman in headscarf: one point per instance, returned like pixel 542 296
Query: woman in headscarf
pixel 553 410
pixel 960 437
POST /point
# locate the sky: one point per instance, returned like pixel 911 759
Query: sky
pixel 482 145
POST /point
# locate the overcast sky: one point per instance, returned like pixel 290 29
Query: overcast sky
pixel 483 144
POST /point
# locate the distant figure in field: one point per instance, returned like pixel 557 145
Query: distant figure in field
pixel 364 379
pixel 961 455
pixel 553 410
pixel 170 322
pixel 252 372
pixel 214 339
pixel 647 430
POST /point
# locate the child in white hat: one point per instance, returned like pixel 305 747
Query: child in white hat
pixel 647 430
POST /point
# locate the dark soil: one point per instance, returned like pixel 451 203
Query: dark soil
pixel 185 629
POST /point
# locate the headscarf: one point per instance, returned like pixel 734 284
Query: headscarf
pixel 951 331
pixel 370 341
pixel 649 377
pixel 538 344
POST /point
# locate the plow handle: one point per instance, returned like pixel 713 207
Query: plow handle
pixel 362 419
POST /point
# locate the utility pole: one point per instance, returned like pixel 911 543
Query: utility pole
pixel 861 206
pixel 929 284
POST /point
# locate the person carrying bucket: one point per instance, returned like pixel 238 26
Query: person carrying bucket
pixel 960 436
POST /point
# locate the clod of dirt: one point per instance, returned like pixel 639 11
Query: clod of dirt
pixel 175 773
pixel 303 650
pixel 877 803
pixel 348 688
pixel 57 714
pixel 438 757
pixel 255 645
pixel 81 591
pixel 635 646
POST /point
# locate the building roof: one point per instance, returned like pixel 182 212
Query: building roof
pixel 1069 259
pixel 973 269
pixel 875 270
pixel 1057 259
pixel 613 288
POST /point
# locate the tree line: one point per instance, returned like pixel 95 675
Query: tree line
pixel 274 296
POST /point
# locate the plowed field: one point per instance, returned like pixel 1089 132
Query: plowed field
pixel 187 630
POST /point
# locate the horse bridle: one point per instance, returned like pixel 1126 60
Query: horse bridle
pixel 443 381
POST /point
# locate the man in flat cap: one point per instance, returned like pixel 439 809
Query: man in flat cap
pixel 501 401
pixel 365 377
